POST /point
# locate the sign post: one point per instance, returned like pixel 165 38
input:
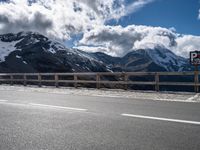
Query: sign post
pixel 195 60
pixel 196 79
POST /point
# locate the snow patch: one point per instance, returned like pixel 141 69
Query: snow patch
pixel 6 48
pixel 19 57
pixel 166 58
pixel 25 62
pixel 55 46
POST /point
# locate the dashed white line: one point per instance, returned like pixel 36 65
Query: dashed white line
pixel 162 119
pixel 57 107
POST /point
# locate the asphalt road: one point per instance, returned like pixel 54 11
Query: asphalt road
pixel 44 121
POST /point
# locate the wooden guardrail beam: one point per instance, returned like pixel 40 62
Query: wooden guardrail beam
pixel 11 79
pixel 157 80
pixel 126 77
pixel 123 76
pixel 196 80
pixel 25 79
pixel 56 77
pixel 39 80
pixel 75 81
pixel 98 78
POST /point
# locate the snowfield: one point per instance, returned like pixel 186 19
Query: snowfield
pixel 140 95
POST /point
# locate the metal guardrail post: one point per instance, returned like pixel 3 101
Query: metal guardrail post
pixel 56 80
pixel 98 78
pixel 75 81
pixel 157 80
pixel 39 80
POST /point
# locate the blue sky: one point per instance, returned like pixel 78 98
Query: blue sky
pixel 180 14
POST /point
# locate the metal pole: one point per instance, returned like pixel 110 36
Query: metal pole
pixel 196 80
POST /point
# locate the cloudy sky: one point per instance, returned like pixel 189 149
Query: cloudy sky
pixel 115 27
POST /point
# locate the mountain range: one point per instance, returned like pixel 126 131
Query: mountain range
pixel 28 52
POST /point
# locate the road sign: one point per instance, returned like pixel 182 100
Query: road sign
pixel 195 58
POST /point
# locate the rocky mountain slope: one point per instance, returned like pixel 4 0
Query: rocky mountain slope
pixel 32 52
pixel 150 60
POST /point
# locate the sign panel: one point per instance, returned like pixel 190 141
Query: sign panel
pixel 195 58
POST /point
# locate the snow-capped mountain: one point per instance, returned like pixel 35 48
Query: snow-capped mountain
pixel 158 59
pixel 33 52
pixel 150 60
pixel 167 59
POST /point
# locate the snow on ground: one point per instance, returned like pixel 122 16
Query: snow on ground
pixel 140 95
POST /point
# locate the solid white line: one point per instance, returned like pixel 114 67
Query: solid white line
pixel 162 119
pixel 58 107
pixel 3 100
pixel 12 104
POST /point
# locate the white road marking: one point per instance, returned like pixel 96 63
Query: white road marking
pixel 162 119
pixel 13 104
pixel 58 107
pixel 3 100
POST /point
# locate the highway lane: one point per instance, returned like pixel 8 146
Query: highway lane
pixel 36 120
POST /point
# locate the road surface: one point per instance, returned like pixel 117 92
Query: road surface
pixel 48 121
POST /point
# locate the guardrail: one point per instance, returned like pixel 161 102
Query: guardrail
pixel 121 78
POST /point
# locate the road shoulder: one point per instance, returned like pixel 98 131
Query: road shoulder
pixel 143 95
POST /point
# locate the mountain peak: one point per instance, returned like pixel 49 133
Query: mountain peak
pixel 166 58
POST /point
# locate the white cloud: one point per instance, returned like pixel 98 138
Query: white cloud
pixel 61 18
pixel 118 41
pixel 56 18
pixel 94 49
pixel 187 43
pixel 136 6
